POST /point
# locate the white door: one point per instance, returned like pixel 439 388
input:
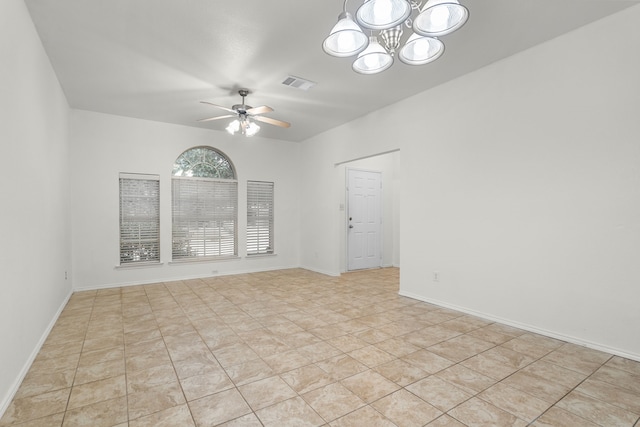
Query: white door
pixel 364 219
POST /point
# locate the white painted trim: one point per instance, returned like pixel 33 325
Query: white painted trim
pixel 4 404
pixel 526 327
pixel 174 279
pixel 325 272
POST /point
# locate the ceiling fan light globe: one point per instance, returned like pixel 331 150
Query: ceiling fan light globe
pixel 233 127
pixel 346 38
pixel 440 17
pixel 383 14
pixel 374 59
pixel 419 50
pixel 251 129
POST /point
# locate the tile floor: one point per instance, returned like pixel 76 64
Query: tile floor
pixel 296 348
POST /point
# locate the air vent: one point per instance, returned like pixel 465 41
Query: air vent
pixel 298 83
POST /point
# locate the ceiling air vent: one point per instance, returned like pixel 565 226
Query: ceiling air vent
pixel 298 83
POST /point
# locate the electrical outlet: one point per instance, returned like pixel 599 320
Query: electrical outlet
pixel 65 275
pixel 436 276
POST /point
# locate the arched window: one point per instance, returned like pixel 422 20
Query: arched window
pixel 204 205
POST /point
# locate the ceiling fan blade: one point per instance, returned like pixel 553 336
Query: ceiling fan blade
pixel 271 121
pixel 217 118
pixel 219 106
pixel 260 110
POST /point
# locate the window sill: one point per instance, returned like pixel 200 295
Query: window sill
pixel 260 256
pixel 134 265
pixel 199 260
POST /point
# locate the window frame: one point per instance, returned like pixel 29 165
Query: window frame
pixel 204 220
pixel 260 193
pixel 148 203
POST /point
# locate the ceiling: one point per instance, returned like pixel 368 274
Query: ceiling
pixel 157 59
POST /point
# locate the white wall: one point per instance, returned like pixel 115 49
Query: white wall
pixel 35 235
pixel 103 145
pixel 524 193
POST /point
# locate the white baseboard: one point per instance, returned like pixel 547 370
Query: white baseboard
pixel 4 404
pixel 526 327
pixel 177 278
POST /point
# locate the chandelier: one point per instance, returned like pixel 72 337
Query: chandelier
pixel 389 18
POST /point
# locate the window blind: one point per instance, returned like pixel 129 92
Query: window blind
pixel 139 218
pixel 204 218
pixel 260 217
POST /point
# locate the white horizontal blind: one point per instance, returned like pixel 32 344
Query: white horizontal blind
pixel 205 213
pixel 139 218
pixel 259 217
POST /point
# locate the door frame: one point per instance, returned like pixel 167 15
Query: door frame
pixel 346 216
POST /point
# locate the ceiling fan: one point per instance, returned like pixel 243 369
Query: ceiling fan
pixel 245 115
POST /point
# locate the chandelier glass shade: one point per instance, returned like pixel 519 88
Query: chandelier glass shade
pixel 440 17
pixel 389 19
pixel 373 59
pixel 383 14
pixel 346 38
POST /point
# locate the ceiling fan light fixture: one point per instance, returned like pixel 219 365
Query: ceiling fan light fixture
pixel 440 17
pixel 233 127
pixel 374 59
pixel 346 38
pixel 383 14
pixel 251 128
pixel 419 50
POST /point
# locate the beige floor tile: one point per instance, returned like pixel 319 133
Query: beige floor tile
pixel 514 401
pixel 172 417
pixel 466 379
pixel 249 420
pixel 555 373
pixel 248 372
pixel 48 421
pixel 99 371
pixel 439 393
pixel 205 384
pixel 371 356
pixel 293 412
pixel 623 364
pixel 97 391
pixel 370 385
pixel 347 343
pixel 319 351
pixel 597 411
pixel 542 388
pixel 401 372
pixel 477 412
pixel 219 408
pixel 427 361
pixel 266 392
pixel 460 348
pixel 363 417
pixel 234 354
pixel 445 421
pixel 611 394
pixel 38 382
pixel 406 409
pixel 619 378
pixel 287 361
pixel 139 381
pixel 307 378
pixel 33 407
pixel 107 413
pixel 154 400
pixel 333 401
pixel 299 345
pixel 555 417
